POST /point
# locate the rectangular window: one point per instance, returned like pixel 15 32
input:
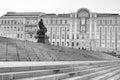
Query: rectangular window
pixel 72 36
pixel 17 35
pixel 77 36
pixel 62 43
pixel 100 22
pixel 72 44
pixel 67 43
pixel 57 43
pixel 60 21
pixel 106 22
pixel 56 22
pixel 111 22
pixel 65 21
pixel 53 36
pixel 57 36
pixel 67 36
pixel 77 43
pixel 62 36
pixel 21 35
pixel 73 27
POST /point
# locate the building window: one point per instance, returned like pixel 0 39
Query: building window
pixel 73 27
pixel 83 21
pixel 15 22
pixel 77 43
pixel 2 22
pixel 67 43
pixel 53 36
pixel 56 22
pixel 67 36
pixel 106 22
pixel 5 22
pixel 72 36
pixel 57 43
pixel 62 36
pixel 65 21
pixel 17 35
pixel 77 36
pixel 100 22
pixel 60 21
pixel 21 35
pixel 62 43
pixel 72 44
pixel 57 36
pixel 8 22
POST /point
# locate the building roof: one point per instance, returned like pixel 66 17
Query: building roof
pixel 56 15
pixel 107 15
pixel 24 14
pixel 64 15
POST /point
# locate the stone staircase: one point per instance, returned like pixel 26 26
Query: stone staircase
pixel 17 50
pixel 80 70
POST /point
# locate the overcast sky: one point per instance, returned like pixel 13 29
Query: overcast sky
pixel 59 6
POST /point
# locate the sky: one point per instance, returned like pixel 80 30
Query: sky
pixel 59 6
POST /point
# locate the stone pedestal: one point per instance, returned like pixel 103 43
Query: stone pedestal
pixel 42 39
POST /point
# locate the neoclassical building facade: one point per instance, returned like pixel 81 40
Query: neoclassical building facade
pixel 81 29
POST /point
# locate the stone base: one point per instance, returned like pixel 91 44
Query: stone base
pixel 43 39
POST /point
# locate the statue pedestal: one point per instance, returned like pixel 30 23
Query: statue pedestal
pixel 42 39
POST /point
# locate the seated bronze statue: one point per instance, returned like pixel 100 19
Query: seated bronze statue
pixel 42 38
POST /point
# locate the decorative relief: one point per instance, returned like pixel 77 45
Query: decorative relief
pixel 83 13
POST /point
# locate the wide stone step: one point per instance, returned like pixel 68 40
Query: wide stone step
pixel 34 72
pixel 94 74
pixel 115 77
pixel 107 75
pixel 70 74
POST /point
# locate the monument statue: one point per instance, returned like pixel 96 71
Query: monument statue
pixel 41 37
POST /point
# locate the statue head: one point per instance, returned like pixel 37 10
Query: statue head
pixel 41 26
pixel 41 20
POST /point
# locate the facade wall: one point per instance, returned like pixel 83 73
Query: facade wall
pixel 83 29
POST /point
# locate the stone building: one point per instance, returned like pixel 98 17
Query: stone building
pixel 81 29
